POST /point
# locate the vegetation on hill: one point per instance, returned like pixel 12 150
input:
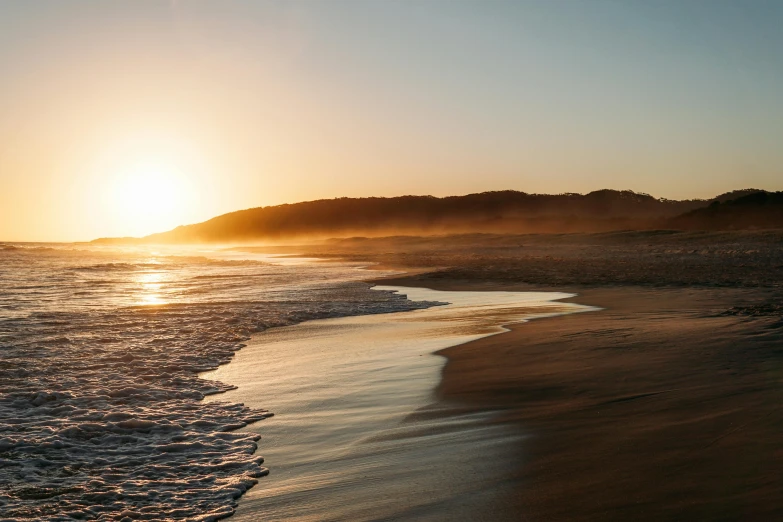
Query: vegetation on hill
pixel 756 210
pixel 488 212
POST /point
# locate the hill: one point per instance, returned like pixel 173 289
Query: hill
pixel 488 212
pixel 505 211
pixel 756 210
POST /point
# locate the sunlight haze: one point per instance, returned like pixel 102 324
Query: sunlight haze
pixel 131 117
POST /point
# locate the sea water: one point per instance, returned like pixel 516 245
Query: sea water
pixel 101 404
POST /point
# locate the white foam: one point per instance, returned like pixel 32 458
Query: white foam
pixel 101 412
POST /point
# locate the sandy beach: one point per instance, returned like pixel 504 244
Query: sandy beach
pixel 664 405
pixel 359 432
pixel 654 408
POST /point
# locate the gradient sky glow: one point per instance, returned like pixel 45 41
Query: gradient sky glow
pixel 250 103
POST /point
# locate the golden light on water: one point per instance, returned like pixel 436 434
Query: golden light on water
pixel 150 286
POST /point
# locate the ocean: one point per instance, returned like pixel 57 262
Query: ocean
pixel 101 404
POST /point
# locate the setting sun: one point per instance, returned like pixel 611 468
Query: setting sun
pixel 149 194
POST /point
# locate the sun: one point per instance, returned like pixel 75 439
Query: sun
pixel 147 189
pixel 150 196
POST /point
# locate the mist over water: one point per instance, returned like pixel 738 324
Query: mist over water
pixel 100 401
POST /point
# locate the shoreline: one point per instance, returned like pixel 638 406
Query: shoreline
pixel 378 374
pixel 637 411
pixel 660 407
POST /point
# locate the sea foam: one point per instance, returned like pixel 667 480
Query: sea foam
pixel 101 411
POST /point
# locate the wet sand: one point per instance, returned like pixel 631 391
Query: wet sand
pixel 358 432
pixel 654 408
pixel 665 405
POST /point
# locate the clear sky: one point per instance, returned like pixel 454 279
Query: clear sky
pixel 130 117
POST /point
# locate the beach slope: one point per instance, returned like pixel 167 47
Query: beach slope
pixel 664 405
pixel 655 408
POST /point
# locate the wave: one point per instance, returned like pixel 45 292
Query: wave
pixel 101 412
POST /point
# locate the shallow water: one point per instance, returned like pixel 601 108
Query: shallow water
pixel 358 433
pixel 101 411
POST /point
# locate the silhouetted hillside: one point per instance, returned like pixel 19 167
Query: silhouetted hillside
pixel 759 209
pixel 736 194
pixel 490 212
pixel 506 211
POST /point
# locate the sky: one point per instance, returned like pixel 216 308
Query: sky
pixel 129 117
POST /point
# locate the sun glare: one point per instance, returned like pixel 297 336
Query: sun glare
pixel 150 197
pixel 150 289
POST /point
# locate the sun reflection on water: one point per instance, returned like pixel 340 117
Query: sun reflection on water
pixel 151 285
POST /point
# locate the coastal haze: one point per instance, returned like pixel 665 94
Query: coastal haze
pixel 489 212
pixel 399 260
